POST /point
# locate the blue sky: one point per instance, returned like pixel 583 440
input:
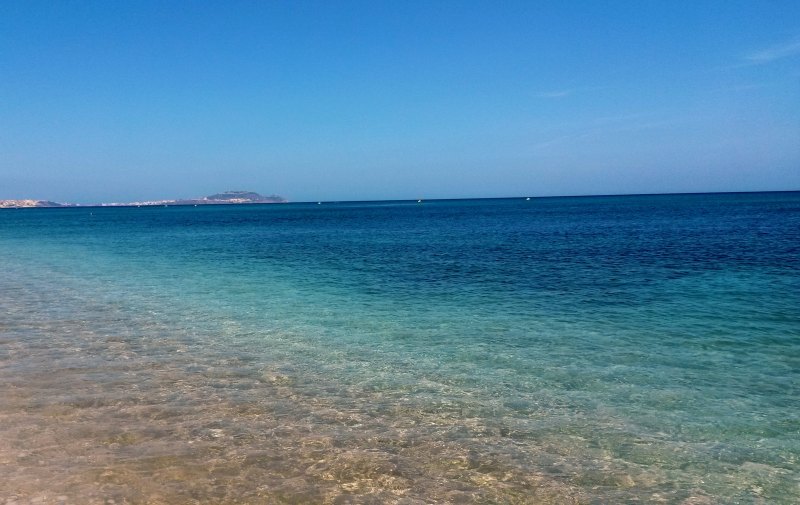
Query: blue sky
pixel 119 101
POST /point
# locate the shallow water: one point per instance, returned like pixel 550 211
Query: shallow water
pixel 564 350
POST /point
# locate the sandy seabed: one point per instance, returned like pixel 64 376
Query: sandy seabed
pixel 103 424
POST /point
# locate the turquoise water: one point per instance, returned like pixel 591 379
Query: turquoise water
pixel 557 350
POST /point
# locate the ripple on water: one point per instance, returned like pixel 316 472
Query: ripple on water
pixel 485 356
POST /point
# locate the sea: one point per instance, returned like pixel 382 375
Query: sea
pixel 575 350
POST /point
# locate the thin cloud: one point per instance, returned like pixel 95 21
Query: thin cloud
pixel 561 93
pixel 776 52
pixel 565 92
pixel 556 140
pixel 607 125
pixel 744 87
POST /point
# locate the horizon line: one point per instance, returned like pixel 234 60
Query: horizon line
pixel 419 200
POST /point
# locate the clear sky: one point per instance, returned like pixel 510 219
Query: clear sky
pixel 334 100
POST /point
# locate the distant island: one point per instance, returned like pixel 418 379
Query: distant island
pixel 225 198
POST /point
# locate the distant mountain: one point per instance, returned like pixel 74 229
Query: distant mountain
pixel 239 197
pixel 236 195
pixel 226 198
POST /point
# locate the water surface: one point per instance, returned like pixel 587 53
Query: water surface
pixel 557 350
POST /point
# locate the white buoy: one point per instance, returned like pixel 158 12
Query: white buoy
pixel 528 198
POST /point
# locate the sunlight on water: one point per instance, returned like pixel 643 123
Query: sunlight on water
pixel 585 350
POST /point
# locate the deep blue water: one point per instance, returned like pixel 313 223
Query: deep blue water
pixel 593 349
